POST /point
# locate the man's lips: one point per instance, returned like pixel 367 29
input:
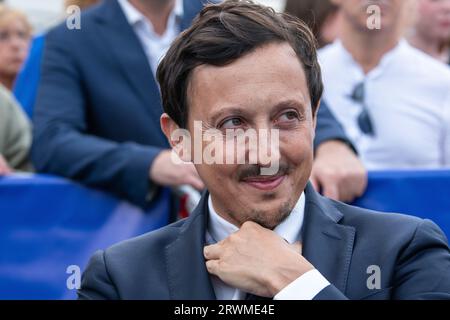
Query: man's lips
pixel 265 183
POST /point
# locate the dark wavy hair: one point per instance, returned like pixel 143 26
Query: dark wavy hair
pixel 221 34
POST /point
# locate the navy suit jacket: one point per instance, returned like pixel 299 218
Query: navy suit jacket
pixel 341 241
pixel 98 106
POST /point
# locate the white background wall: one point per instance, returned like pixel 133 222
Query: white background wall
pixel 42 13
pixel 278 5
pixel 46 13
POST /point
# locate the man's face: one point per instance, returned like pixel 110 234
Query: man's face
pixel 357 12
pixel 265 89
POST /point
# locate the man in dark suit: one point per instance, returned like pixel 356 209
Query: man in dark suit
pixel 241 69
pixel 98 107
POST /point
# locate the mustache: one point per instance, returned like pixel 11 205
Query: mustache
pixel 253 171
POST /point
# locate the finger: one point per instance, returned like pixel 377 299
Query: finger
pixel 212 252
pixel 213 267
pixel 348 191
pixel 363 182
pixel 358 179
pixel 330 190
pixel 348 195
pixel 315 183
pixel 354 188
pixel 297 246
pixel 3 164
pixel 4 169
pixel 191 170
pixel 193 178
pixel 196 183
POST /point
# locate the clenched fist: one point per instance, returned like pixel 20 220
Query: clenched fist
pixel 256 260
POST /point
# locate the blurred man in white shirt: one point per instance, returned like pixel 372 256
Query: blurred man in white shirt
pixel 392 99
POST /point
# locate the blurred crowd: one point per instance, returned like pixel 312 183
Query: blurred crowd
pixel 84 103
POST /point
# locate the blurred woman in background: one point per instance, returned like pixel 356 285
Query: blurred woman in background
pixel 15 129
pixel 322 16
pixel 431 32
pixel 27 83
pixel 15 35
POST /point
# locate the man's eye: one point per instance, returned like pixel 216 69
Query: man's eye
pixel 231 123
pixel 288 116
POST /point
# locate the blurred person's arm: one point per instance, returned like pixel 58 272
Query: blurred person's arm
pixel 4 168
pixel 328 128
pixel 337 171
pixel 63 147
pixel 15 133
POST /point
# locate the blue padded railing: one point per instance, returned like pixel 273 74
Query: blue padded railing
pixel 48 223
pixel 424 194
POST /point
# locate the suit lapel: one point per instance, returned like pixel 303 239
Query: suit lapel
pixel 327 244
pixel 188 278
pixel 127 50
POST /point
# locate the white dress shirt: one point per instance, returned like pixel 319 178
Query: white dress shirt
pixel 155 46
pixel 408 98
pixel 306 287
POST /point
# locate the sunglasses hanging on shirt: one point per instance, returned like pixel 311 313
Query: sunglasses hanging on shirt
pixel 364 120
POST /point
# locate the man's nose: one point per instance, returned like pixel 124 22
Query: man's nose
pixel 266 150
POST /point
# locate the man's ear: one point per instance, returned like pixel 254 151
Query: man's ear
pixel 179 139
pixel 168 126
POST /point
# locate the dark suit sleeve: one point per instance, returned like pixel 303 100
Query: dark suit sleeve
pixel 96 283
pixel 423 268
pixel 61 143
pixel 330 293
pixel 328 128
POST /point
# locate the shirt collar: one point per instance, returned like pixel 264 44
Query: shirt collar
pixel 392 55
pixel 179 9
pixel 134 16
pixel 385 60
pixel 290 229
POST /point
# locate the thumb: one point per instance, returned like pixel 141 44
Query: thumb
pixel 331 190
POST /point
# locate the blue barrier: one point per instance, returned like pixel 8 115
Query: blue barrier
pixel 48 224
pixel 424 194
